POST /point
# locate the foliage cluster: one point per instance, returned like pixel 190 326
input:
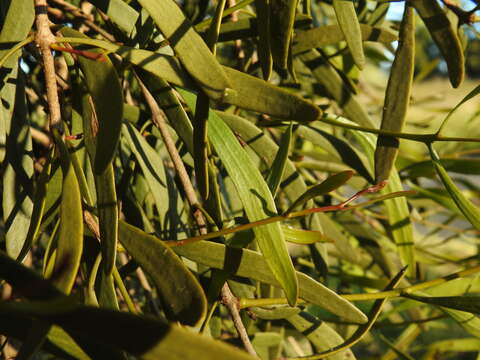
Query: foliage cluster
pixel 181 180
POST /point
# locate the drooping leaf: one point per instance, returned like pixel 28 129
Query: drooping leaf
pixel 336 87
pixel 331 183
pixel 256 198
pixel 143 337
pixel 348 21
pixel 181 294
pixel 17 179
pixel 320 334
pixel 467 303
pixel 471 212
pixel 305 237
pixel 251 264
pixel 264 47
pixel 104 86
pixel 445 37
pixel 332 34
pixel 282 17
pixel 397 96
pixel 275 175
pixel 70 240
pixel 192 51
pixel 13 30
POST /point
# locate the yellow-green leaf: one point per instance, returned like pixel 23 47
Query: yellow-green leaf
pixel 182 296
pixel 397 96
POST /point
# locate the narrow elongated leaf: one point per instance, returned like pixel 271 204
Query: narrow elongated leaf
pixel 336 87
pixel 251 93
pixel 104 184
pixel 264 48
pixel 14 29
pixel 17 179
pixel 38 210
pixel 305 237
pixel 103 84
pixel 397 96
pixel 282 17
pixel 251 264
pixel 151 165
pixel 257 201
pixel 119 12
pixel 293 185
pixel 445 37
pixel 331 183
pixel 465 303
pixel 361 330
pixel 427 169
pixel 70 240
pixel 332 34
pixel 182 296
pixel 470 211
pixel 190 48
pixel 277 170
pixel 320 334
pixel 258 95
pixel 143 337
pixel 348 21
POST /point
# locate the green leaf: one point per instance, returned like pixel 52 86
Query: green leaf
pixel 14 29
pixel 274 313
pixel 427 169
pixel 470 211
pixel 256 198
pixel 104 86
pixel 332 34
pixel 304 237
pixel 119 12
pixel 182 296
pixel 260 96
pixel 17 176
pixel 282 17
pixel 445 37
pixel 336 87
pixel 320 334
pixel 251 264
pixel 348 21
pixel 152 168
pixel 397 96
pixel 70 240
pixel 263 46
pixel 104 183
pixel 190 48
pixel 277 170
pixel 331 183
pixel 251 93
pixel 465 303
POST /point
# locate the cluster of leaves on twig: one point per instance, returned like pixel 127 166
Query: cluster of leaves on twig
pixel 176 176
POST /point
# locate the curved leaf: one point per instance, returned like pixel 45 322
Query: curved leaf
pixel 192 51
pixel 348 21
pixel 70 240
pixel 277 170
pixel 397 96
pixel 256 198
pixel 251 264
pixel 445 37
pixel 282 17
pixel 103 84
pixel 332 34
pixel 182 296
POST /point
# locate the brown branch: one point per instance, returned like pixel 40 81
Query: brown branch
pixel 228 299
pixel 44 40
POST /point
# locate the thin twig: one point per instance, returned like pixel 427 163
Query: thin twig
pixel 228 299
pixel 44 39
